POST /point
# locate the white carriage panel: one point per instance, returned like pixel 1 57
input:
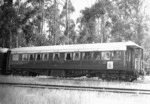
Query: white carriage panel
pixel 110 65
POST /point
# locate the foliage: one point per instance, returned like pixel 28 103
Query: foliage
pixel 20 24
pixel 88 25
pixel 113 20
pixel 146 57
pixel 8 23
pixel 128 21
pixel 52 16
pixel 68 24
pixel 23 23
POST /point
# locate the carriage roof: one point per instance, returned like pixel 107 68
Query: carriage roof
pixel 3 50
pixel 114 46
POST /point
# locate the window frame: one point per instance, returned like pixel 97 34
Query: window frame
pixel 12 57
pixel 54 56
pixel 85 58
pixel 116 58
pixel 96 56
pixel 43 57
pixel 71 56
pixel 102 56
pixel 30 55
pixel 79 56
pixel 36 56
pixel 26 56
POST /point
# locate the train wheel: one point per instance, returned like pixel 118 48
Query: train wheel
pixel 20 73
pixel 25 73
pixel 130 79
pixel 103 77
pixel 14 72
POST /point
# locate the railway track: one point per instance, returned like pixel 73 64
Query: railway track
pixel 80 88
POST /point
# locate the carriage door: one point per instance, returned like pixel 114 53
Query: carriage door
pixel 138 59
pixel 129 59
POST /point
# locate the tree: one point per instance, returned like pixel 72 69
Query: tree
pixel 128 21
pixel 67 23
pixel 113 20
pixel 8 23
pixel 87 27
pixel 94 22
pixel 53 19
pixel 28 22
pixel 31 23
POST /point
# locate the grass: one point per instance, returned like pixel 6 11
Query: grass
pixel 14 95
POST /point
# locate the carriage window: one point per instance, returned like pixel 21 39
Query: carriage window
pixel 68 56
pixel 116 55
pixel 45 56
pixel 24 57
pixel 105 55
pixel 38 57
pixel 15 57
pixel 31 57
pixel 96 56
pixel 76 56
pixel 87 56
pixel 56 56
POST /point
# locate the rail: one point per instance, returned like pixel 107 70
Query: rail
pixel 80 88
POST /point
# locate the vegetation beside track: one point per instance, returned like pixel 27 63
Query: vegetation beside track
pixel 15 95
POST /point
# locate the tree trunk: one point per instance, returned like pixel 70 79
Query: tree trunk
pixel 10 39
pixel 42 2
pixel 55 23
pixel 17 45
pixel 102 30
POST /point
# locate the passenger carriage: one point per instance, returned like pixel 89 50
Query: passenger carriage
pixel 117 60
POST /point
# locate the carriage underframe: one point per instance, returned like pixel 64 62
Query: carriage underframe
pixel 123 75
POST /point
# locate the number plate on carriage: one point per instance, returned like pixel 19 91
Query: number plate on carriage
pixel 110 65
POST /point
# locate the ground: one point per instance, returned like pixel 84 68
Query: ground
pixel 11 95
pixel 17 95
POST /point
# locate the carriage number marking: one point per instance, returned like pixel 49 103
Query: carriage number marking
pixel 109 65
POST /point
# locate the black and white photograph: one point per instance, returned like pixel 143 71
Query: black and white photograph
pixel 74 51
